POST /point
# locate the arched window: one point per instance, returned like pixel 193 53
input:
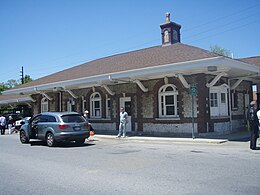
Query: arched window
pixel 166 37
pixel 168 97
pixel 44 105
pixel 95 105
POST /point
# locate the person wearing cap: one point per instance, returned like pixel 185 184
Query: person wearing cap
pixel 123 121
pixel 253 123
pixel 86 114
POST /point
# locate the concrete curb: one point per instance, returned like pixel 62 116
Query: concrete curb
pixel 164 139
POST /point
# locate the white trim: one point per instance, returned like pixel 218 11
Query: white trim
pixel 140 84
pixel 18 100
pixel 236 84
pixel 108 109
pixel 222 108
pixel 183 81
pixel 215 80
pixel 108 90
pixel 92 106
pixel 43 94
pixel 70 92
pixel 44 104
pixel 163 94
pixel 162 69
pixel 48 97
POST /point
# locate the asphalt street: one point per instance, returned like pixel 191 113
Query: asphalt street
pixel 128 166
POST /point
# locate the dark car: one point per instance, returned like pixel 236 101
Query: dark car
pixel 54 127
pixel 15 117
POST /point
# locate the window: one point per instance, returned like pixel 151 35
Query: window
pixel 95 105
pixel 213 100
pixel 234 100
pixel 47 118
pixel 218 100
pixel 73 118
pixel 44 105
pixel 166 37
pixel 168 96
pixel 108 108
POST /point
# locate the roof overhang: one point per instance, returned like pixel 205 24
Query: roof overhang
pixel 16 100
pixel 234 69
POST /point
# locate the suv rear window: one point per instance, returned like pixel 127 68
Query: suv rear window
pixel 73 118
pixel 47 118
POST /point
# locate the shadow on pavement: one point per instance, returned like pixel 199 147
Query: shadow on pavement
pixel 241 136
pixel 62 144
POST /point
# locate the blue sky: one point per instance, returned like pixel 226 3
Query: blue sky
pixel 46 36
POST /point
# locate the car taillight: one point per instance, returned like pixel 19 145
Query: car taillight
pixel 63 126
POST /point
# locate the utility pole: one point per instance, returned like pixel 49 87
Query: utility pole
pixel 22 77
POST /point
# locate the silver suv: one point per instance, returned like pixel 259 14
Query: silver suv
pixel 54 127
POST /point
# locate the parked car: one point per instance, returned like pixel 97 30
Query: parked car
pixel 15 117
pixel 19 123
pixel 54 127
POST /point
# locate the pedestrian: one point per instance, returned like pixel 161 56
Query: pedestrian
pixel 10 124
pixel 258 115
pixel 122 122
pixel 254 123
pixel 86 114
pixel 2 124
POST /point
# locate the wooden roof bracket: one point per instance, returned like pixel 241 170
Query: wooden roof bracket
pixel 46 96
pixel 43 94
pixel 70 92
pixel 183 81
pixel 108 89
pixel 236 84
pixel 215 80
pixel 33 100
pixel 140 84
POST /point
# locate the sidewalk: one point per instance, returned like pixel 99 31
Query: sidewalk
pixel 207 138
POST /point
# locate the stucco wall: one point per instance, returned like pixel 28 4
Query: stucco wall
pixel 187 105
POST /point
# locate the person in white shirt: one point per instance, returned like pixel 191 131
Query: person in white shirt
pixel 258 116
pixel 123 121
pixel 2 124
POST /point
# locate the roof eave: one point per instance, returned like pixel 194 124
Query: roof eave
pixel 175 67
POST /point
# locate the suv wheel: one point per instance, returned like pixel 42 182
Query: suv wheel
pixel 50 140
pixel 23 138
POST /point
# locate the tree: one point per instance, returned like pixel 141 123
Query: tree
pixel 220 51
pixel 3 87
pixel 27 79
pixel 11 83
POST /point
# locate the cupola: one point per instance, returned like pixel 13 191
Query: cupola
pixel 170 31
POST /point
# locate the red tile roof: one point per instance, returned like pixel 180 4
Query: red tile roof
pixel 143 58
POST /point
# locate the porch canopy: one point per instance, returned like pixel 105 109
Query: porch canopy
pixel 15 99
pixel 156 62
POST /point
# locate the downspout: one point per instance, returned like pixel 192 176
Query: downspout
pixel 60 102
pixel 230 108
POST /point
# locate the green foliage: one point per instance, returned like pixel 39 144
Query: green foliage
pixel 220 51
pixel 27 79
pixel 13 83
